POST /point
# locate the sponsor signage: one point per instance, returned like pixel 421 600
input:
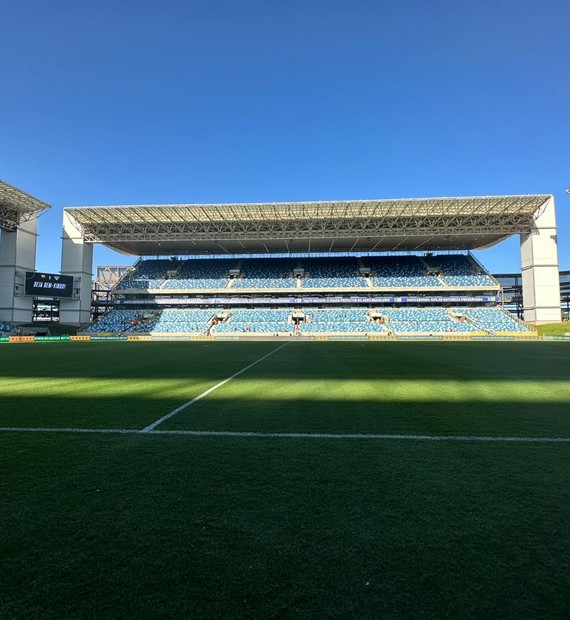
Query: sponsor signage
pixel 420 337
pixel 371 299
pixel 51 338
pixel 493 338
pixel 48 284
pixel 109 338
pixel 348 337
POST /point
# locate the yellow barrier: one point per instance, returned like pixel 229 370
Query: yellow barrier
pixel 21 338
pixel 80 338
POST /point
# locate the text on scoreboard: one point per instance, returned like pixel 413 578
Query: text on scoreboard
pixel 48 284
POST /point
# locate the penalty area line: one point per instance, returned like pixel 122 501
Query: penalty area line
pixel 151 427
pixel 258 435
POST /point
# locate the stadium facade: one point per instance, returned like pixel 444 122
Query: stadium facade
pixel 356 227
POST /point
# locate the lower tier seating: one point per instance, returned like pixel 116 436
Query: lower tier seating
pixel 310 321
pixel 492 319
pixel 7 328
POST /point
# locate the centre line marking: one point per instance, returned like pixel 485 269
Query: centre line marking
pixel 152 426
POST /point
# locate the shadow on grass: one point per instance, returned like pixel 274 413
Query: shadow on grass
pixel 433 417
pixel 331 361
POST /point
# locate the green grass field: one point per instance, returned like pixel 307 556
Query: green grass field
pixel 265 524
pixel 554 329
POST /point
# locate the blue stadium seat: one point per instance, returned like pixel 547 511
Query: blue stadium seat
pixel 260 273
pixel 400 271
pixel 459 270
pixel 332 273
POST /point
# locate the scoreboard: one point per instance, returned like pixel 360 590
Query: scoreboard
pixel 48 284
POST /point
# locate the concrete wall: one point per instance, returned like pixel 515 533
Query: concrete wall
pixel 17 255
pixel 77 261
pixel 539 266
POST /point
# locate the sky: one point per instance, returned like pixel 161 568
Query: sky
pixel 149 102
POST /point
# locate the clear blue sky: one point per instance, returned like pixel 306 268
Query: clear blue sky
pixel 133 102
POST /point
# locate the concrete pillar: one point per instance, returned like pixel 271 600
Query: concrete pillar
pixel 539 267
pixel 17 255
pixel 76 261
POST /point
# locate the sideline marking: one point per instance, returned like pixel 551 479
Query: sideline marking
pixel 253 434
pixel 152 426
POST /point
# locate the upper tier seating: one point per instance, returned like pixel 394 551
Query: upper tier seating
pixel 332 273
pixel 148 274
pixel 260 273
pixel 399 271
pixel 459 270
pixel 202 274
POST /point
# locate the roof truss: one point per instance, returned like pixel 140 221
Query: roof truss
pixel 17 206
pixel 487 217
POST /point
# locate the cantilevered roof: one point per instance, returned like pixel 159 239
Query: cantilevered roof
pixel 17 206
pixel 328 226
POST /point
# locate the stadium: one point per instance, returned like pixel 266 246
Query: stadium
pixel 318 409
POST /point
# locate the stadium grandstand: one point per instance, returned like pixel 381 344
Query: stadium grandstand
pixel 374 268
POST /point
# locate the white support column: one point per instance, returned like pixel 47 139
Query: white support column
pixel 76 261
pixel 17 255
pixel 539 265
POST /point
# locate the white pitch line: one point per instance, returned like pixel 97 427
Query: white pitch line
pixel 152 426
pixel 252 434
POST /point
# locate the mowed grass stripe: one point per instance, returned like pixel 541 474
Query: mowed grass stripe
pixel 475 389
pixel 110 384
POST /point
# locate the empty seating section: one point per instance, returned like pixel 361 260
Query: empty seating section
pixel 332 273
pixel 315 320
pixel 424 320
pixel 339 320
pixel 120 321
pixel 493 319
pixel 165 321
pixel 459 270
pixel 257 274
pixel 399 271
pixel 202 274
pixel 266 273
pixel 148 274
pixel 258 320
pixel 7 328
pixel 184 321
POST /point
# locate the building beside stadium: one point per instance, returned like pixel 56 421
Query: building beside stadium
pixel 19 213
